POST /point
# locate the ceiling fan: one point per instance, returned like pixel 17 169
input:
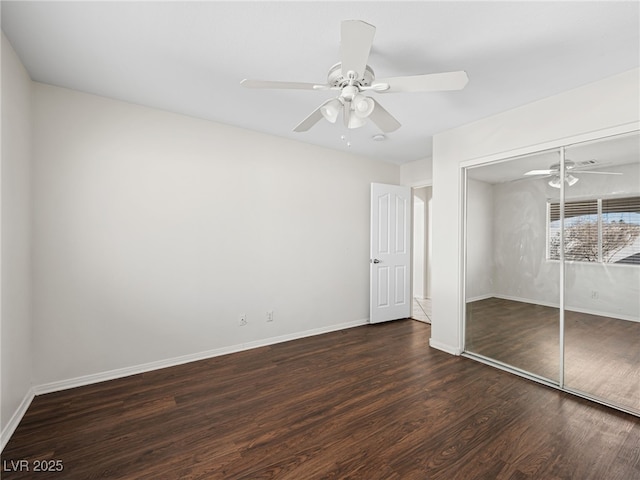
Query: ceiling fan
pixel 352 77
pixel 570 168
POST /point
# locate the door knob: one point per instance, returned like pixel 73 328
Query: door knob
pixel 375 260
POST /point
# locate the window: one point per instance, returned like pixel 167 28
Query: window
pixel 601 230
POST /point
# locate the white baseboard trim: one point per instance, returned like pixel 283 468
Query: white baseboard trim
pixel 588 311
pixel 481 297
pixel 57 386
pixel 527 300
pixel 13 423
pixel 172 362
pixel 444 347
pixel 617 316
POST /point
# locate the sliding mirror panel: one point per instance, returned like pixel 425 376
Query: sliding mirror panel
pixel 602 269
pixel 512 290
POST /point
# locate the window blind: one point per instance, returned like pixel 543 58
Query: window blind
pixel 621 205
pixel 621 230
pixel 598 230
pixel 573 209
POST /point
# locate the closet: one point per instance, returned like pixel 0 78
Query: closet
pixel 552 267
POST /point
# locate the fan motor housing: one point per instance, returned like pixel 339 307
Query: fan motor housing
pixel 568 165
pixel 336 78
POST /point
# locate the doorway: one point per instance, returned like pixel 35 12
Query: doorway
pixel 390 262
pixel 421 260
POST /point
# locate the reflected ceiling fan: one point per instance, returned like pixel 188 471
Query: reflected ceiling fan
pixel 352 77
pixel 570 169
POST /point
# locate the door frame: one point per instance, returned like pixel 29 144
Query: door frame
pixel 427 227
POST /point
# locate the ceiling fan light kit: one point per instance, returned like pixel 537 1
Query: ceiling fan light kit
pixel 570 180
pixel 355 121
pixel 352 76
pixel 363 106
pixel 569 166
pixel 331 109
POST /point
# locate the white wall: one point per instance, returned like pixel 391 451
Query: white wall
pixel 15 281
pixel 154 232
pixel 421 255
pixel 616 286
pixel 521 269
pixel 417 173
pixel 480 246
pixel 506 250
pixel 576 114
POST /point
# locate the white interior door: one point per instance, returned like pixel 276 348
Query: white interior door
pixel 390 252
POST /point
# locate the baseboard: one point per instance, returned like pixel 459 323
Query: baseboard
pixel 588 311
pixel 175 361
pixel 486 296
pixel 8 430
pixel 617 316
pixel 51 387
pixel 444 347
pixel 526 300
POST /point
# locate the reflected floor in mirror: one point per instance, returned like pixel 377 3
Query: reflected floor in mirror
pixel 602 354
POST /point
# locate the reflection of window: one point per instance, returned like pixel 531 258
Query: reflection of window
pixel 601 230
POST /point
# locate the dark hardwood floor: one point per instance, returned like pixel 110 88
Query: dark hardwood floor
pixel 373 402
pixel 602 354
pixel 520 334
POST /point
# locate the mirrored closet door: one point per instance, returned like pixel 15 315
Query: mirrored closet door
pixel 512 292
pixel 552 267
pixel 602 269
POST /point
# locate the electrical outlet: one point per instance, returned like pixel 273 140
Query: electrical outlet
pixel 270 316
pixel 243 320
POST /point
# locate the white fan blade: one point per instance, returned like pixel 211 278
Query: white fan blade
pixel 355 44
pixel 309 122
pixel 432 82
pixel 312 119
pixel 383 119
pixel 282 85
pixel 541 172
pixel 580 172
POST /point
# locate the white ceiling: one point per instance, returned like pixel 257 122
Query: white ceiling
pixel 608 154
pixel 189 57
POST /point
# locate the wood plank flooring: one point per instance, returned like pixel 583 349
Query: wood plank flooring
pixel 373 402
pixel 602 354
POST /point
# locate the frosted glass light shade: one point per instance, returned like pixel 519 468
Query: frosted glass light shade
pixel 331 110
pixel 363 106
pixel 355 121
pixel 570 179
